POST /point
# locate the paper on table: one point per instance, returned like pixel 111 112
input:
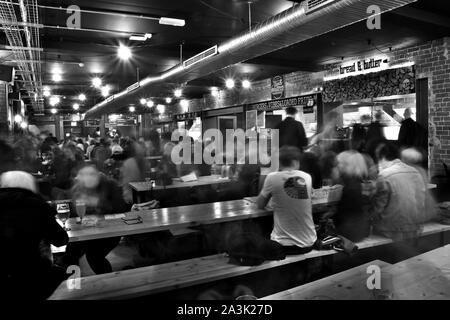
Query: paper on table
pixel 189 177
pixel 114 216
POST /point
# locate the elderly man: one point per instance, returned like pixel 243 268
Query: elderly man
pixel 27 224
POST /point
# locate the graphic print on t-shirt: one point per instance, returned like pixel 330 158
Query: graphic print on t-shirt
pixel 295 187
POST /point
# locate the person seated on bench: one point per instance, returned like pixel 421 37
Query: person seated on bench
pixel 27 229
pixel 101 196
pixel 398 205
pixel 290 190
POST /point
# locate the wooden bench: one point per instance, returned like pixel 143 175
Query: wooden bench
pixel 170 276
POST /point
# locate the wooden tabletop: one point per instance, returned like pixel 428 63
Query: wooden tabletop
pixel 424 277
pixel 202 181
pixel 346 285
pixel 169 218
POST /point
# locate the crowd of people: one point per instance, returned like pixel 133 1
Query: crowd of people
pixel 384 191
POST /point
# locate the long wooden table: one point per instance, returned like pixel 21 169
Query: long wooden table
pixel 424 277
pixel 142 187
pixel 170 218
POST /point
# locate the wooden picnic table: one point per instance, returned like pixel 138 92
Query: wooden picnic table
pixel 143 186
pixel 169 219
pixel 424 277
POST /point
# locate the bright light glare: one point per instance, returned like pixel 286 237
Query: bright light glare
pixel 214 91
pixel 229 83
pixel 105 91
pixel 53 110
pixel 97 82
pixel 124 52
pixel 161 108
pixel 132 109
pixel 246 84
pixel 54 100
pixel 57 77
pixel 184 104
pixel 168 100
pixel 150 103
pixel 178 93
pixel 143 101
pixel 24 125
pixel 18 118
pixel 76 106
pixel 82 97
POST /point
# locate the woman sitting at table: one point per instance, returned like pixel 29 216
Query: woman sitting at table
pixel 351 218
pixel 100 196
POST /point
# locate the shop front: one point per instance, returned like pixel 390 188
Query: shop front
pixel 191 122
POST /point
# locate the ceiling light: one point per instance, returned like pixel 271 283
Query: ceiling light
pixel 178 93
pixel 57 77
pixel 172 22
pixel 18 118
pixel 46 93
pixel 97 82
pixel 124 52
pixel 143 101
pixel 140 37
pixel 82 97
pixel 76 106
pixel 132 109
pixel 168 100
pixel 150 103
pixel 161 108
pixel 229 83
pixel 246 84
pixel 81 64
pixel 24 125
pixel 214 91
pixel 105 91
pixel 53 110
pixel 54 100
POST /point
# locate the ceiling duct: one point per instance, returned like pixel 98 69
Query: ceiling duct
pixel 23 38
pixel 299 23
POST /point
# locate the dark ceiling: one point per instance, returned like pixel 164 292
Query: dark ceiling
pixel 208 22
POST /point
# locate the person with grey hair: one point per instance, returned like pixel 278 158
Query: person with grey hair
pixel 26 223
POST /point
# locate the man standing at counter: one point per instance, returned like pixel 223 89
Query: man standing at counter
pixel 292 133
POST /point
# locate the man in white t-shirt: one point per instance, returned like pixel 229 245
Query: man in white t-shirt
pixel 289 192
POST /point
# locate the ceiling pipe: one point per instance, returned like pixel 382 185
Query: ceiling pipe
pixel 291 26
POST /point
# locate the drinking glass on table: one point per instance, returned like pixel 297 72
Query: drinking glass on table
pixel 63 216
pixel 80 207
pixel 148 181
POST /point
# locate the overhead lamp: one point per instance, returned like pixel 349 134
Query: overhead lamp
pixel 97 82
pixel 47 93
pixel 53 111
pixel 76 106
pixel 178 93
pixel 56 77
pixel 143 101
pixel 172 22
pixel 82 97
pixel 124 52
pixel 229 83
pixel 18 118
pixel 54 100
pixel 214 91
pixel 246 84
pixel 168 100
pixel 150 103
pixel 132 109
pixel 105 91
pixel 140 37
pixel 24 125
pixel 161 108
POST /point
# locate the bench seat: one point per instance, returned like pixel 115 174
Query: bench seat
pixel 170 276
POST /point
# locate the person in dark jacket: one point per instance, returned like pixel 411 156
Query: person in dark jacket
pixel 292 133
pixel 100 196
pixel 27 229
pixel 410 134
